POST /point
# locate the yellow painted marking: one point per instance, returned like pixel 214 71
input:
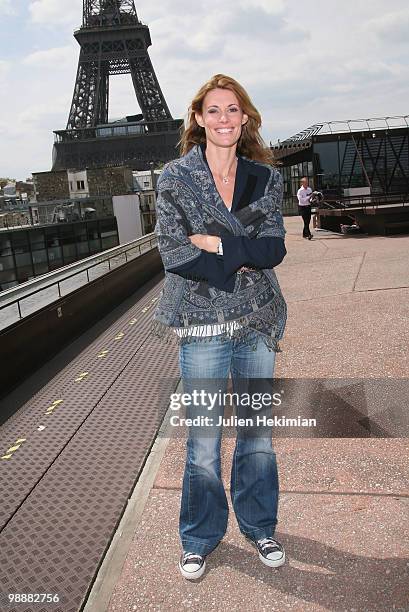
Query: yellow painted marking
pixel 119 336
pixel 10 450
pixel 103 353
pixel 133 321
pixel 145 309
pixel 53 405
pixel 154 299
pixel 81 376
pixel 13 448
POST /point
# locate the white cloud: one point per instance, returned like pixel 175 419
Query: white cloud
pixel 36 114
pixel 392 27
pixel 54 59
pixel 6 8
pixel 272 7
pixel 53 12
pixel 4 70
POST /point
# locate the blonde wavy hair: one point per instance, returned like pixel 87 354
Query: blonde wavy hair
pixel 250 143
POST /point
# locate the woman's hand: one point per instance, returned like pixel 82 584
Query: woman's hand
pixel 205 242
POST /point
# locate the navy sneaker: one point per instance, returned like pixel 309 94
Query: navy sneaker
pixel 270 551
pixel 191 565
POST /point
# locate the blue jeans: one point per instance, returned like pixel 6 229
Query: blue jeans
pixel 254 478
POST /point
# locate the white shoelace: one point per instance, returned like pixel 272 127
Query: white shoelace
pixel 191 557
pixel 269 542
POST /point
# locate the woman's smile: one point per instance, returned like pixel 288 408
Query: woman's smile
pixel 225 132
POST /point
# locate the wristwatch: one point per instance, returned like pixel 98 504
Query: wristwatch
pixel 220 248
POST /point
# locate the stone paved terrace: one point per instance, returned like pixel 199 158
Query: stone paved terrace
pixel 344 505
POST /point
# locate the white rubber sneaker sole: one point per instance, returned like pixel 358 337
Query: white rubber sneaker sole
pixel 272 562
pixel 268 562
pixel 193 575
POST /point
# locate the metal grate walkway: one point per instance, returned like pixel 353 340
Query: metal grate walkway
pixel 70 458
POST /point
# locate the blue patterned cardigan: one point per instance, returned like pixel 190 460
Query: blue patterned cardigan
pixel 189 203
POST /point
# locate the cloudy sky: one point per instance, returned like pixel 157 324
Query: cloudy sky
pixel 302 63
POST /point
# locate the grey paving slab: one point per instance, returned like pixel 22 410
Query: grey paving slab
pixel 313 280
pixel 374 246
pixel 361 334
pixel 383 272
pixel 343 554
pixel 298 253
pixel 373 466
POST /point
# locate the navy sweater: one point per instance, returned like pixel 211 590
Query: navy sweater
pixel 238 251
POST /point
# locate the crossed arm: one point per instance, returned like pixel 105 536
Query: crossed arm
pixel 199 251
pixel 239 253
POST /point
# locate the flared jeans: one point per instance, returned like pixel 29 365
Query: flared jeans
pixel 254 478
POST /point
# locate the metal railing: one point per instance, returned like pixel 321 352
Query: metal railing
pixel 365 201
pixel 115 130
pixel 26 298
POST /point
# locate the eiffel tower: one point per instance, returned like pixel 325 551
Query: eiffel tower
pixel 114 41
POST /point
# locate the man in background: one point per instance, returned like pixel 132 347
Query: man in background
pixel 304 206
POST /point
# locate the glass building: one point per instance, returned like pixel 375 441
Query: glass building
pixel 26 253
pixel 342 157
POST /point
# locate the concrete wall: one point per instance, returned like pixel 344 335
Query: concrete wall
pixel 128 216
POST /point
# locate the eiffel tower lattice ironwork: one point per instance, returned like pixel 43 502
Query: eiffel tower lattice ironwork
pixel 114 41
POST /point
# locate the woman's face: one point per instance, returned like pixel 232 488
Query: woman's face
pixel 222 117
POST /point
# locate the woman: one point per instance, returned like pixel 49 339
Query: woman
pixel 220 233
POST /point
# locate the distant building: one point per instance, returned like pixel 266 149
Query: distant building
pixel 15 195
pixel 145 180
pixel 31 251
pixel 131 196
pixel 145 184
pixel 77 212
pixel 9 189
pixel 356 158
pixel 74 183
pixel 78 183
